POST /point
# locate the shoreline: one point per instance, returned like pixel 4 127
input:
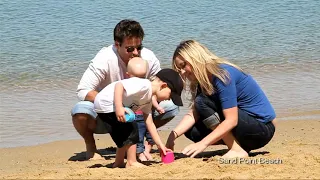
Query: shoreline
pixel 304 116
pixel 292 153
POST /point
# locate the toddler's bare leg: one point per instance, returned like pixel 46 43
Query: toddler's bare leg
pixel 142 157
pixel 132 157
pixel 147 151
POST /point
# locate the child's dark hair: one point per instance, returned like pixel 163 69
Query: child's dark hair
pixel 127 28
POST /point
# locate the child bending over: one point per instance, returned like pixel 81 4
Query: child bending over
pixel 136 94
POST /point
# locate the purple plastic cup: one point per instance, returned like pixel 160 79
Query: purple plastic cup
pixel 169 158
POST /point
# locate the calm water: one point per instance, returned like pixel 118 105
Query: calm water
pixel 46 46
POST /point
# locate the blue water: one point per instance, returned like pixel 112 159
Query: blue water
pixel 47 45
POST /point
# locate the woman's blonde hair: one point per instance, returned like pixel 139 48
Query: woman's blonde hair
pixel 203 64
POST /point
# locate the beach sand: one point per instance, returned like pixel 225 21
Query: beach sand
pixel 294 152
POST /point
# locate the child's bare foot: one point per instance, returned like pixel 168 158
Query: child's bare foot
pixel 235 154
pixel 93 156
pixel 135 164
pixel 147 146
pixel 142 157
pixel 148 155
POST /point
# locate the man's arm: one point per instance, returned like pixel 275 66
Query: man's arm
pixel 91 95
pixel 154 64
pixel 90 81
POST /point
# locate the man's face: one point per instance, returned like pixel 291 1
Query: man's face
pixel 129 48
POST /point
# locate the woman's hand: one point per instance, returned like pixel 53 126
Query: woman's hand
pixel 170 140
pixel 194 149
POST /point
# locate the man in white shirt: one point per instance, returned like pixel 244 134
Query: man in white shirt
pixel 110 65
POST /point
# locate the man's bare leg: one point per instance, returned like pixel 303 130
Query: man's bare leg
pixel 235 150
pixel 84 124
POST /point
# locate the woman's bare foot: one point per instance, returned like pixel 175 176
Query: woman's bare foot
pixel 235 154
pixel 135 164
pixel 235 150
pixel 142 157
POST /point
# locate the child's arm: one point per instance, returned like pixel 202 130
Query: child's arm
pixel 155 104
pixel 118 93
pixel 154 133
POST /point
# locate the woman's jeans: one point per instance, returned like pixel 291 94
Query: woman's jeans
pixel 249 132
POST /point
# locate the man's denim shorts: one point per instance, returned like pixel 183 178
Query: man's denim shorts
pixel 84 107
pixel 87 107
pixel 171 110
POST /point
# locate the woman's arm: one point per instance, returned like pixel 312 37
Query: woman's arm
pixel 185 124
pixel 231 120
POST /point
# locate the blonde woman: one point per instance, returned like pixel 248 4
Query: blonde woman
pixel 228 106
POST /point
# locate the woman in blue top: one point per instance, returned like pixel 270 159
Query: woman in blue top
pixel 228 106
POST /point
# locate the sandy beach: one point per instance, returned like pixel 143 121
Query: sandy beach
pixel 294 153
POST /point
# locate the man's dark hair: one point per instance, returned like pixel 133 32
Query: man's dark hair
pixel 127 28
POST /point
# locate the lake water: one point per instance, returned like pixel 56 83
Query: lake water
pixel 47 45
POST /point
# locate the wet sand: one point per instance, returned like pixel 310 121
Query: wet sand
pixel 293 153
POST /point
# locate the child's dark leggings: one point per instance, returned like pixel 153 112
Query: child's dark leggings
pixel 249 132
